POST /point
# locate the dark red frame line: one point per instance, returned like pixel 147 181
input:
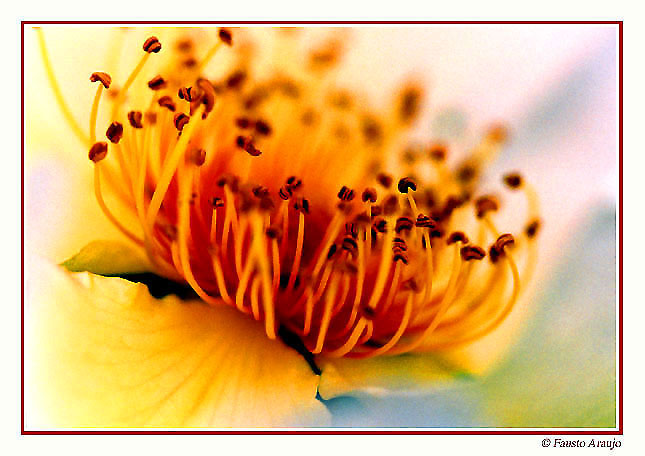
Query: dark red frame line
pixel 618 431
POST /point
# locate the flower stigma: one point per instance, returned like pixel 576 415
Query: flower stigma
pixel 269 192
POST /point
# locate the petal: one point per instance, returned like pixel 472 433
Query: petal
pixel 385 375
pixel 108 258
pixel 101 352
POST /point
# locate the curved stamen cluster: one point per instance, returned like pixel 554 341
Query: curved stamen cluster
pixel 235 185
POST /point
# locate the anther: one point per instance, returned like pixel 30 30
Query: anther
pixel 185 93
pixel 503 241
pixel 369 194
pixel 513 180
pixel 497 134
pixel 351 230
pixel 101 77
pixel 217 202
pixel 406 184
pixel 362 219
pixel 409 103
pixel 236 79
pixel 332 251
pixel 466 173
pixel 114 132
pixel 225 36
pixel 368 313
pixel 274 231
pixel 293 183
pixel 260 191
pixel 207 92
pixel 423 221
pixel 437 152
pixel 403 224
pixel 98 151
pixel 181 120
pixel 284 192
pixel 157 83
pixel 457 236
pixel 380 225
pixel 152 44
pixel 262 128
pixel 134 117
pixel 350 245
pixel 472 252
pixel 243 123
pixel 532 228
pixel 301 205
pixel 484 205
pixel 196 156
pixel 399 245
pixel 229 180
pixel 166 102
pixel 384 179
pixel 346 194
pixel 400 257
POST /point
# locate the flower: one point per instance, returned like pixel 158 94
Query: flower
pixel 196 172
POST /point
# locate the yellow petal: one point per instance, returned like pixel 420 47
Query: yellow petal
pixel 385 375
pixel 101 352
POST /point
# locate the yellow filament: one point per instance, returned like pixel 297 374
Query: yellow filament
pixel 94 112
pixel 330 297
pixel 399 332
pixel 255 305
pixel 80 134
pixel 263 263
pixel 104 208
pixel 169 168
pixel 275 252
pixel 209 55
pixel 219 277
pixel 351 342
pixel 121 95
pixel 443 306
pixel 384 267
pixel 296 261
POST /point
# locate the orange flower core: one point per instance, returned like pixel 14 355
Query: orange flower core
pixel 269 194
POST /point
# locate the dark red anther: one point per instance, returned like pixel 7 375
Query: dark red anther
pixel 262 128
pixel 532 228
pixel 301 205
pixel 98 151
pixel 349 244
pixel 186 93
pixel 407 184
pixel 332 251
pixel 225 36
pixel 285 192
pixel 217 202
pixel 403 224
pixel 243 123
pixel 423 221
pixel 351 230
pixel 157 83
pixel 152 44
pixel 385 180
pixel 457 236
pixel 437 152
pixel 346 194
pixel 181 120
pixel 274 231
pixel 513 180
pixel 411 284
pixel 380 225
pixel 166 102
pixel 400 257
pixel 472 252
pixel 369 194
pixel 101 77
pixel 207 97
pixel 114 132
pixel 485 204
pixel 134 117
pixel 260 191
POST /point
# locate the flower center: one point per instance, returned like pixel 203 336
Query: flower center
pixel 268 195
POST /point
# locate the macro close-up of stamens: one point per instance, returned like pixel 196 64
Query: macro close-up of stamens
pixel 260 228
